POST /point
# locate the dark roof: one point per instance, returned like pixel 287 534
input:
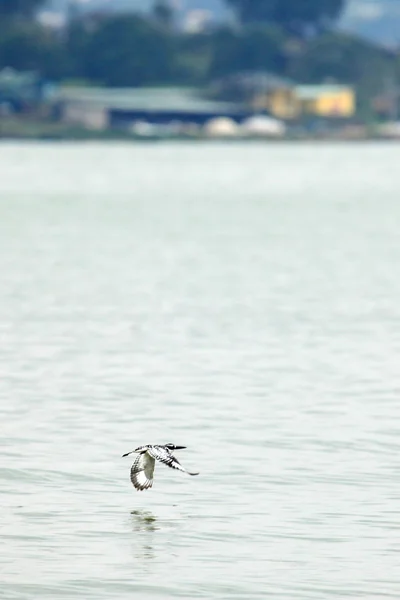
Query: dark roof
pixel 311 92
pixel 15 79
pixel 149 99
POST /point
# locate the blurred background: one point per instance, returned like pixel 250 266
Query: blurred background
pixel 199 67
pixel 199 244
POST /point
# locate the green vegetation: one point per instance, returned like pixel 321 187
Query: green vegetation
pixel 127 51
pixel 297 17
pixel 256 47
pixel 289 39
pixel 18 8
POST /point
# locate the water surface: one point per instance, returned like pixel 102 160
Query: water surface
pixel 242 300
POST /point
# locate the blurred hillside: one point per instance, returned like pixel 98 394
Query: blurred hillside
pixel 216 7
pixel 377 20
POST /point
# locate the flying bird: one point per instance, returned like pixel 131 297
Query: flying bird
pixel 143 468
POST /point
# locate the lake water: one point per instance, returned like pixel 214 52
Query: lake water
pixel 242 300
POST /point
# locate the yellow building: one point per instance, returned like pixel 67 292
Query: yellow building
pixel 290 102
pixel 281 102
pixel 326 100
pixel 285 99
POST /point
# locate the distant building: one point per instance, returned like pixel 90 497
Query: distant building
pixel 275 95
pixel 387 103
pixel 285 99
pixel 326 100
pixel 260 90
pixel 21 91
pixel 121 108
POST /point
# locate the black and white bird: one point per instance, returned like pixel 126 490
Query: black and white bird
pixel 143 468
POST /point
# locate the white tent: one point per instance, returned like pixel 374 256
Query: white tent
pixel 221 127
pixel 391 129
pixel 143 128
pixel 261 125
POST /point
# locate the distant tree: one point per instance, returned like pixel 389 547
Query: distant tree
pixel 193 55
pixel 255 48
pixel 225 52
pixel 163 13
pixel 77 39
pixel 24 8
pixel 295 16
pixel 127 50
pixel 343 58
pixel 28 46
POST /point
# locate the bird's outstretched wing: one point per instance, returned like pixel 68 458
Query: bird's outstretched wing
pixel 164 455
pixel 142 471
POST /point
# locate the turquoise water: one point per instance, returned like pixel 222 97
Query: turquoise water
pixel 242 300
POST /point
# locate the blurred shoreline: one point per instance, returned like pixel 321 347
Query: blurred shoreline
pixel 44 130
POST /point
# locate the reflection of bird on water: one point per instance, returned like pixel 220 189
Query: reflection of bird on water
pixel 143 520
pixel 144 524
pixel 143 468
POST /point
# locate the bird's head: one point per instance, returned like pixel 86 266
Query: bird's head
pixel 173 447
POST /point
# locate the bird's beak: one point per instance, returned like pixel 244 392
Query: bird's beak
pixel 127 453
pixel 180 447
